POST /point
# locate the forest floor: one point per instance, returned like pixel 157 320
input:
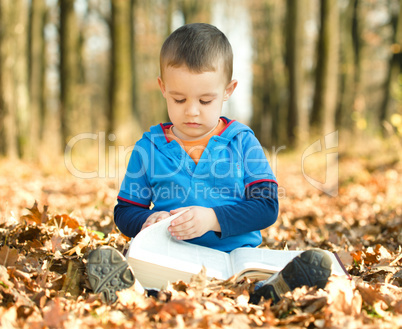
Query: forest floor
pixel 43 251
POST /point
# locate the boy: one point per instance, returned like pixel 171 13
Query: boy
pixel 209 165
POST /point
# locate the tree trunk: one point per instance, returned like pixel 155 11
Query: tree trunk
pixel 297 120
pixel 195 11
pixel 153 19
pixel 69 68
pixel 394 69
pixel 120 114
pixel 348 66
pixel 324 107
pixel 21 75
pixel 8 110
pixel 170 7
pixel 133 57
pixel 13 86
pixel 269 117
pixel 36 74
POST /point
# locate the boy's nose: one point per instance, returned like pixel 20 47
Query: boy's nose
pixel 192 110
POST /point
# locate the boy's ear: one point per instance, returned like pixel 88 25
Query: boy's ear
pixel 230 89
pixel 162 86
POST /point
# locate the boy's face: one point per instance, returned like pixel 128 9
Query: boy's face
pixel 194 100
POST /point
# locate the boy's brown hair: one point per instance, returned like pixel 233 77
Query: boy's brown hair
pixel 199 46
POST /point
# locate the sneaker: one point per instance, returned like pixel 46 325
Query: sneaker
pixel 108 272
pixel 310 268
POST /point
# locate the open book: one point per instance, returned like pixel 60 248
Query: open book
pixel 158 258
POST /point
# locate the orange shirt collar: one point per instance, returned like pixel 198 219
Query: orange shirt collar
pixel 195 148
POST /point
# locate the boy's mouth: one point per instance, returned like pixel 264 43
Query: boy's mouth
pixel 192 124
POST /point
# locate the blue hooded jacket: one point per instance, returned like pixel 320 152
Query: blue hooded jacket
pixel 161 173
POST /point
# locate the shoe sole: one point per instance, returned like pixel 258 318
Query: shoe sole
pixel 310 268
pixel 108 272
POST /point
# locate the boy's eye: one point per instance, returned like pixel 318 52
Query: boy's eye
pixel 205 102
pixel 180 101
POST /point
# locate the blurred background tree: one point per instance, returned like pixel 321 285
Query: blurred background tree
pixel 88 66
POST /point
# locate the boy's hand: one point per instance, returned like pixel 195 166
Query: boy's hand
pixel 154 218
pixel 193 223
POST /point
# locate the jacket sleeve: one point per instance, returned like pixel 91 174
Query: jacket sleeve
pixel 135 187
pixel 257 212
pixel 129 217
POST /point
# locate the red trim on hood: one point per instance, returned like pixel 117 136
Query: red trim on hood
pixel 164 130
pixel 227 125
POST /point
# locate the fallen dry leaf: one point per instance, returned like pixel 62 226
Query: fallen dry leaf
pixel 36 216
pixel 398 307
pixel 8 256
pixel 54 315
pixel 343 298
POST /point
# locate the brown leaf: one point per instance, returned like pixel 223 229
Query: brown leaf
pixel 345 257
pixel 357 256
pixel 179 306
pixel 396 260
pixel 130 298
pixel 369 294
pixel 377 254
pixel 242 300
pixel 318 304
pixel 24 311
pixel 56 242
pixel 66 220
pixel 35 244
pixel 236 321
pixel 23 277
pixel 305 319
pixel 54 315
pixel 344 299
pixel 8 256
pixel 36 216
pixel 9 292
pixel 382 252
pixel 398 307
pixel 8 317
pixel 4 277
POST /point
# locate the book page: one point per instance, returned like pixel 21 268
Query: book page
pixel 275 260
pixel 156 245
pixel 259 258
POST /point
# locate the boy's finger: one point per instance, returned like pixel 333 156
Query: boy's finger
pixel 151 220
pixel 186 235
pixel 185 229
pixel 187 216
pixel 162 216
pixel 180 227
pixel 175 211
